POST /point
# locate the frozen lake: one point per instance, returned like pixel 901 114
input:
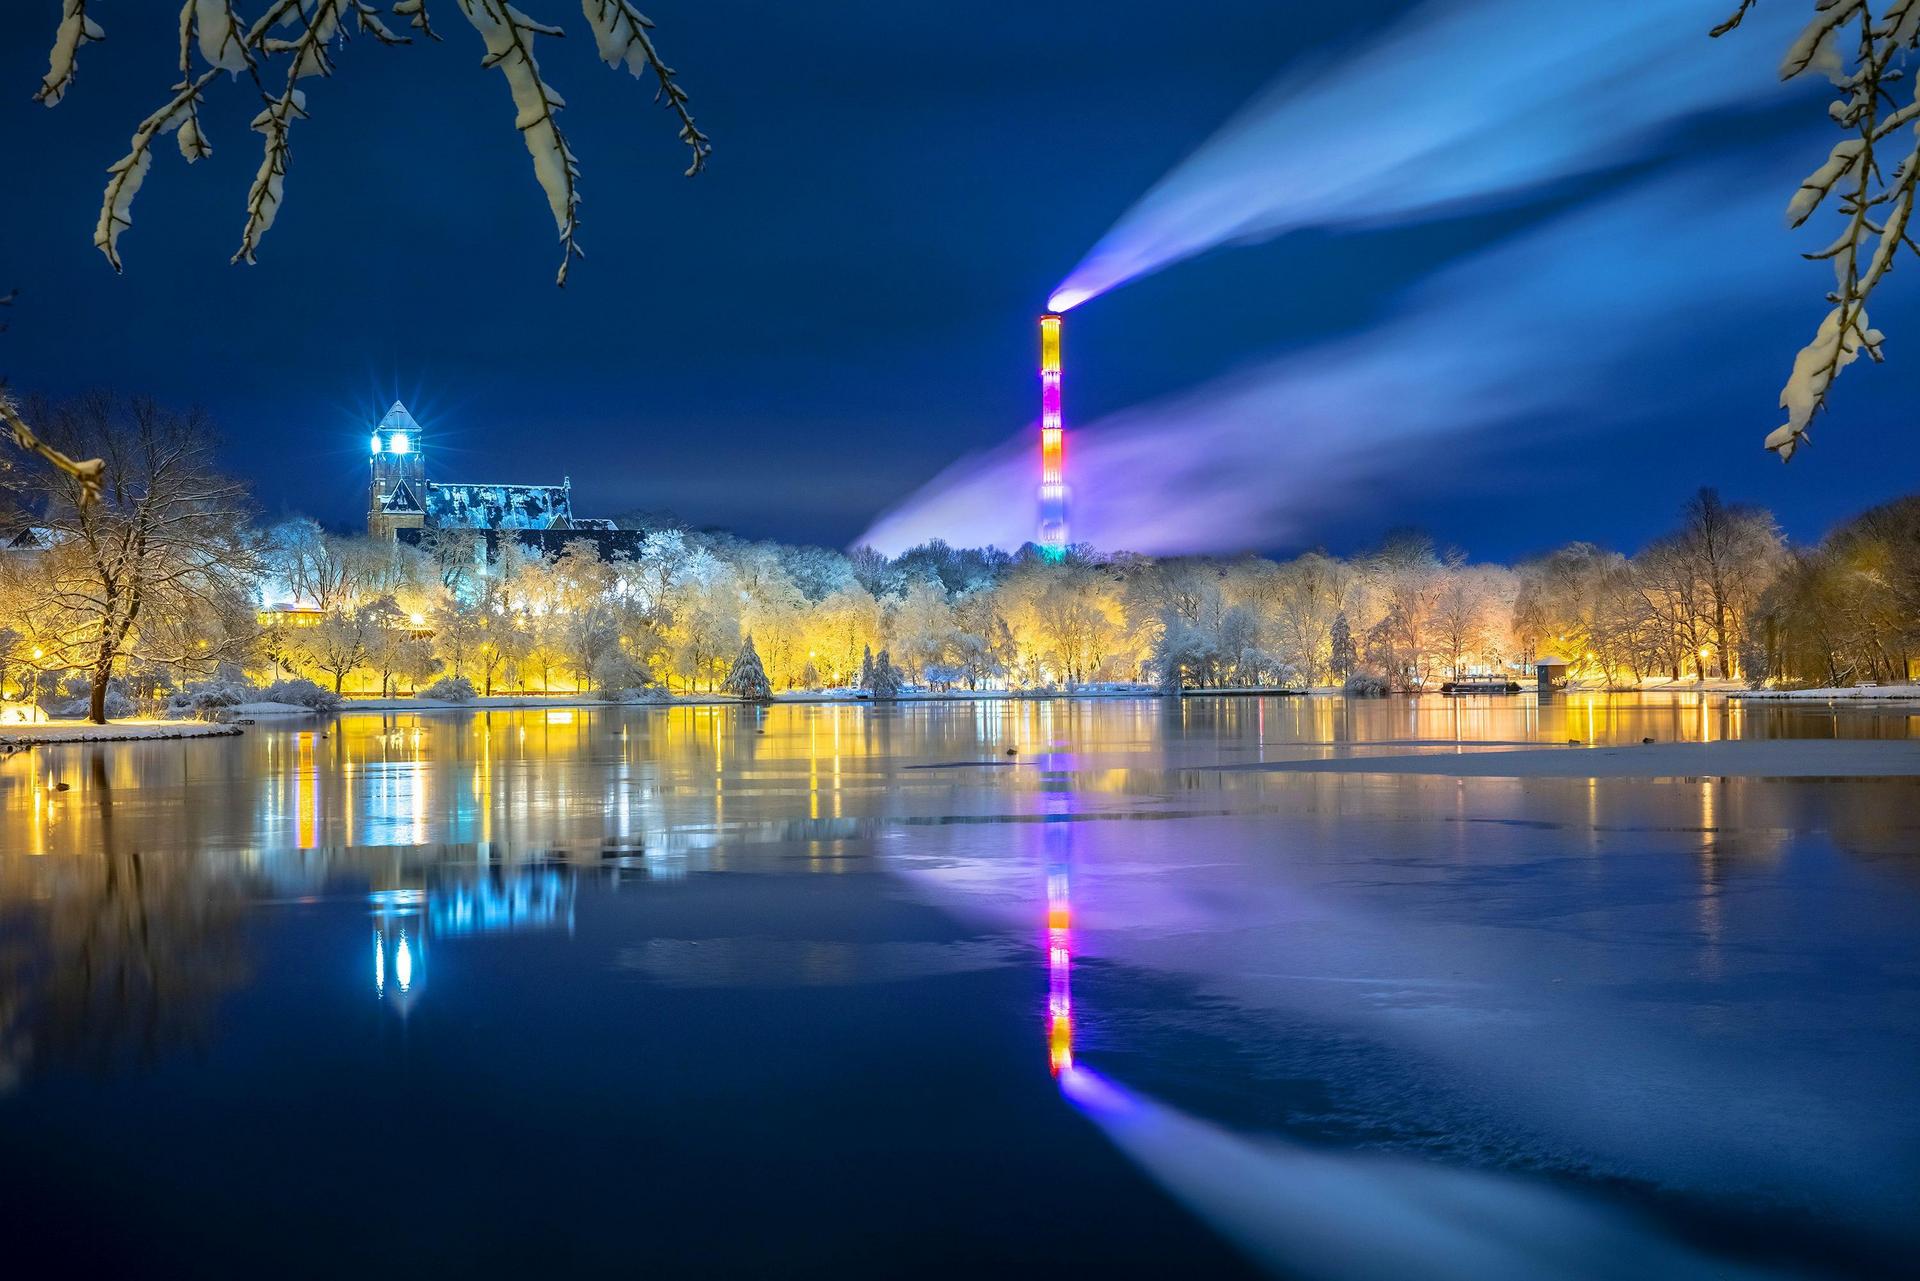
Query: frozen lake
pixel 1126 987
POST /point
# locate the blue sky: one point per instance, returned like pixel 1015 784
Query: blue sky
pixel 842 306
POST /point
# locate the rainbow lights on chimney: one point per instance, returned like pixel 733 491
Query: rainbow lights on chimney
pixel 1053 480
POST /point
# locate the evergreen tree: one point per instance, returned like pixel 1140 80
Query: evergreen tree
pixel 746 679
pixel 866 667
pixel 1345 657
pixel 885 682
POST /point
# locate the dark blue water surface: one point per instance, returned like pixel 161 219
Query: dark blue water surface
pixel 1016 988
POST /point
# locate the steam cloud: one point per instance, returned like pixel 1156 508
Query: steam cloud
pixel 1463 104
pixel 1537 330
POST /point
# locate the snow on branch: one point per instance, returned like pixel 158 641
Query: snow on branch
pixel 76 28
pixel 1873 198
pixel 87 473
pixel 620 31
pixel 303 37
pixel 508 34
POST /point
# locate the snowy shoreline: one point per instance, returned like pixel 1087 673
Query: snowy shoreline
pixel 1838 694
pixel 539 702
pixel 1723 758
pixel 57 733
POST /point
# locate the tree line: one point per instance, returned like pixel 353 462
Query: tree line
pixel 169 578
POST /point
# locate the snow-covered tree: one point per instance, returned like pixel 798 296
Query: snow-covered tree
pixel 866 667
pixel 746 679
pixel 1345 654
pixel 396 649
pixel 1859 46
pixel 886 682
pixel 336 645
pixel 288 42
pixel 158 568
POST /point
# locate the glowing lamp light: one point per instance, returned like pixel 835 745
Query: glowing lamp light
pixel 416 618
pixel 399 444
pixel 376 443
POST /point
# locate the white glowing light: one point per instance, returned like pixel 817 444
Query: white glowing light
pixel 399 444
pixel 403 963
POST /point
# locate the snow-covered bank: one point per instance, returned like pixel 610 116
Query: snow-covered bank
pixel 1838 693
pixel 49 733
pixel 1742 758
pixel 249 711
pixel 537 702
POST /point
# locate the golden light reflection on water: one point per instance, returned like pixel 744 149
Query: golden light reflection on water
pixel 486 816
pixel 683 778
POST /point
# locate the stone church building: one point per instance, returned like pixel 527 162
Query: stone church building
pixel 403 504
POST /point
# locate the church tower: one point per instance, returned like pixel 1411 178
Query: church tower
pixel 396 498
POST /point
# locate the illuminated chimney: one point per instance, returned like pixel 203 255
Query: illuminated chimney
pixel 1053 477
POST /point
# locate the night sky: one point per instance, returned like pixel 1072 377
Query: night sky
pixel 843 303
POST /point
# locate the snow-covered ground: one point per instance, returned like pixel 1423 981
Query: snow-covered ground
pixel 256 710
pixel 498 701
pixel 1726 758
pixel 50 732
pixel 1833 693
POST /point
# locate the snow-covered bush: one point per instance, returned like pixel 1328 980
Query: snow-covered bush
pixel 209 699
pixel 69 700
pixel 1365 685
pixel 615 673
pixel 450 689
pixel 301 693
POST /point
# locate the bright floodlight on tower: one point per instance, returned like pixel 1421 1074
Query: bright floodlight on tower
pixel 1053 479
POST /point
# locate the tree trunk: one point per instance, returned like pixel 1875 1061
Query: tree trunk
pixel 97 697
pixel 336 681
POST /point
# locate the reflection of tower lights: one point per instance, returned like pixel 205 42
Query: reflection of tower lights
pixel 403 962
pixel 1056 845
pixel 379 963
pixel 1059 967
pixel 1053 478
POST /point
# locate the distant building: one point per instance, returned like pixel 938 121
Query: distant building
pixel 27 538
pixel 404 505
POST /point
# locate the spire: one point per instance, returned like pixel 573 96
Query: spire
pixel 398 419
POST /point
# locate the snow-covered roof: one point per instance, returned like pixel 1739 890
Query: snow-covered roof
pixel 398 419
pixel 499 506
pixel 593 522
pixel 402 501
pixel 28 538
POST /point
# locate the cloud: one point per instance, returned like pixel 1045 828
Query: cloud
pixel 1462 104
pixel 1554 330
